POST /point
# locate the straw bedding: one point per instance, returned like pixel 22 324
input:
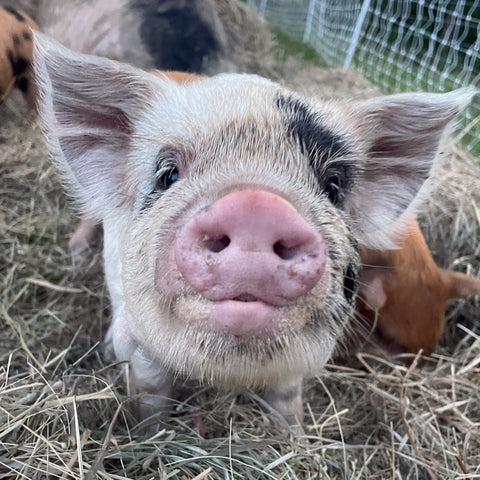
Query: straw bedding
pixel 63 409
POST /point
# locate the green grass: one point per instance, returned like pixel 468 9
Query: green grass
pixel 286 47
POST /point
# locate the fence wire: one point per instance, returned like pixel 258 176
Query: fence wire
pixel 403 45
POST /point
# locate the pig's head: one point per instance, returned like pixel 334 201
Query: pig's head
pixel 233 208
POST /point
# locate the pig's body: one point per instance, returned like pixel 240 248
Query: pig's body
pixel 169 34
pixel 16 49
pixel 232 213
pixel 403 295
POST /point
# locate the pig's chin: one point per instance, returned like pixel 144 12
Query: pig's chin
pixel 246 361
pixel 252 344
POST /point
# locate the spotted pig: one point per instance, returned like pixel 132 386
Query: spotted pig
pixel 150 34
pixel 233 210
pixel 15 52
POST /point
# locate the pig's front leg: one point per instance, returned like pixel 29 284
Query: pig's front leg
pixel 82 237
pixel 150 384
pixel 286 398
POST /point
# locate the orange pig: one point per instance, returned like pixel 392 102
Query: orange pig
pixel 403 295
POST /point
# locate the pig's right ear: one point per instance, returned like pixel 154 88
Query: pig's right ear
pixel 88 107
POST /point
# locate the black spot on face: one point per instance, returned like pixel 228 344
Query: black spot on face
pixel 16 39
pixel 19 65
pixel 305 124
pixel 15 13
pixel 326 151
pixel 350 282
pixel 27 36
pixel 176 37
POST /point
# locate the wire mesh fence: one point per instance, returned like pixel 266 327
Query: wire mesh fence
pixel 403 45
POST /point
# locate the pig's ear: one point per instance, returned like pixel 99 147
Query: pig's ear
pixel 371 286
pixel 403 137
pixel 88 107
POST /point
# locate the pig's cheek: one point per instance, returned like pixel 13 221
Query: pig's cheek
pixel 168 280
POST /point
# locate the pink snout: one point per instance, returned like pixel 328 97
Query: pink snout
pixel 249 253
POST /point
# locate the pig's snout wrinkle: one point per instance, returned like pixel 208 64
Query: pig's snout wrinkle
pixel 250 247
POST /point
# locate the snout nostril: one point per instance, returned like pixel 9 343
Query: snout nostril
pixel 216 245
pixel 284 252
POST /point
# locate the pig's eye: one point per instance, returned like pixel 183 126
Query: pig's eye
pixel 167 178
pixel 332 189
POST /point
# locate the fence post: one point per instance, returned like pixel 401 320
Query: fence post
pixel 356 34
pixel 263 6
pixel 308 25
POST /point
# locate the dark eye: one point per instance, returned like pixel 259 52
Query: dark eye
pixel 332 189
pixel 167 178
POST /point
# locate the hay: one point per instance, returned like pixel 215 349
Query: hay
pixel 248 36
pixel 63 410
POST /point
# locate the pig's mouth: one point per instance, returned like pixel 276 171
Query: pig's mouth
pixel 242 313
pixel 246 316
pixel 245 297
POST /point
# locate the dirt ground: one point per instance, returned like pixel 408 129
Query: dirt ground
pixel 63 409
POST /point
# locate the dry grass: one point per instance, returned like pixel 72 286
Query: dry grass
pixel 62 409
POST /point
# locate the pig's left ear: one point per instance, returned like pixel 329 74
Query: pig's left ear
pixel 403 136
pixel 88 107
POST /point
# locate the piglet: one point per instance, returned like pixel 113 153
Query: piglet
pixel 403 296
pixel 16 48
pixel 233 211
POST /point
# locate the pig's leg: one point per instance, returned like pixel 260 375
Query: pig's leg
pixel 82 236
pixel 150 384
pixel 286 398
